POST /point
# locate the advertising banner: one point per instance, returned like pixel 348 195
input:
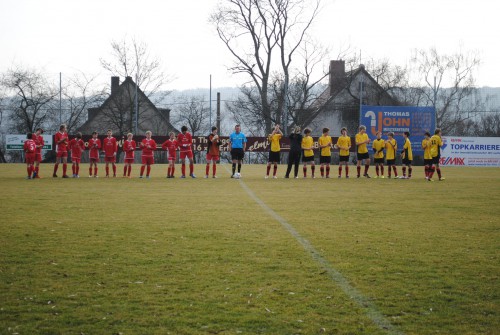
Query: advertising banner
pixel 16 142
pixel 470 151
pixel 398 119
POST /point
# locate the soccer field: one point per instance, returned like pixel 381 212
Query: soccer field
pixel 249 256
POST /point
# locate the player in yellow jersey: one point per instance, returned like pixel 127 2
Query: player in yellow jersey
pixel 308 147
pixel 378 147
pixel 344 145
pixel 426 146
pixel 406 155
pixel 362 140
pixel 274 153
pixel 436 144
pixel 391 146
pixel 325 158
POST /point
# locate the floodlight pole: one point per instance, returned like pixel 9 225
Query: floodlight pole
pixel 60 97
pixel 136 105
pixel 210 100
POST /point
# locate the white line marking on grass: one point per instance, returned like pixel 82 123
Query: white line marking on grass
pixel 370 309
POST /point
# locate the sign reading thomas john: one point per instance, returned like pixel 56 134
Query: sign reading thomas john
pixel 398 119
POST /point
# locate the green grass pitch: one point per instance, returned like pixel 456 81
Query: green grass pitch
pixel 222 256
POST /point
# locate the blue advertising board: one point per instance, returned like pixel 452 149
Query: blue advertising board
pixel 398 119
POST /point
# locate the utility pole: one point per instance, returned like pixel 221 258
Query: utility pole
pixel 60 97
pixel 210 100
pixel 218 111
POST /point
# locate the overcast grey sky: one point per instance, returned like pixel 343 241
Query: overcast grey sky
pixel 69 36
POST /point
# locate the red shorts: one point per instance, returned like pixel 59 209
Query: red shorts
pixel 148 160
pixel 188 154
pixel 30 158
pixel 212 157
pixel 110 159
pixel 38 157
pixel 128 161
pixel 94 160
pixel 76 160
pixel 62 154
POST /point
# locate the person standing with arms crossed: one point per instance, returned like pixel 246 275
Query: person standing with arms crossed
pixel 344 145
pixel 325 159
pixel 61 139
pixel 308 147
pixel 76 146
pixel 237 147
pixel 295 153
pixel 362 140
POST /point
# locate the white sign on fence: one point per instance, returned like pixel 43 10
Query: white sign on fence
pixel 470 151
pixel 16 142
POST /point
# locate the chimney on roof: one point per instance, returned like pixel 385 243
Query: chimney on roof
pixel 115 83
pixel 337 74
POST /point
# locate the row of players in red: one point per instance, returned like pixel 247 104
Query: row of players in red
pixel 34 144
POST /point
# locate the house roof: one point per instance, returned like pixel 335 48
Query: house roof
pixel 141 96
pixel 330 94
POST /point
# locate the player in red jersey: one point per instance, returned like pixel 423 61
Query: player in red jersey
pixel 110 148
pixel 185 141
pixel 61 140
pixel 38 138
pixel 171 146
pixel 212 152
pixel 76 146
pixel 94 145
pixel 29 150
pixel 148 146
pixel 129 146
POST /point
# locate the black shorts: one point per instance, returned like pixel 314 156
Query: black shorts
pixel 325 159
pixel 406 161
pixel 435 160
pixel 274 156
pixel 344 158
pixel 391 162
pixel 363 156
pixel 428 161
pixel 378 160
pixel 237 154
pixel 307 159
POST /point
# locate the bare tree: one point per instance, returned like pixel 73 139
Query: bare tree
pixel 79 95
pixel 254 31
pixel 32 99
pixel 192 112
pixel 447 83
pixel 132 59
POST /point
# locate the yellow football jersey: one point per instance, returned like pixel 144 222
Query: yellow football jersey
pixel 344 142
pixel 308 142
pixel 362 149
pixel 436 143
pixel 390 149
pixel 408 153
pixel 379 146
pixel 325 140
pixel 426 145
pixel 275 142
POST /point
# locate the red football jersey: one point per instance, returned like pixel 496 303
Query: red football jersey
pixel 61 140
pixel 185 141
pixel 38 141
pixel 76 146
pixel 148 146
pixel 94 146
pixel 109 146
pixel 29 147
pixel 129 149
pixel 171 146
